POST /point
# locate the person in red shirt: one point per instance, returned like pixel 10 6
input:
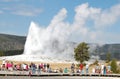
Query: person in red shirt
pixel 81 67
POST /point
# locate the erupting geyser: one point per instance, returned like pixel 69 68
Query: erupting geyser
pixel 50 41
pixel 47 42
pixel 54 40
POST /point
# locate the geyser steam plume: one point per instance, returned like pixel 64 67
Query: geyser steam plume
pixel 46 42
pixel 53 40
pixel 50 41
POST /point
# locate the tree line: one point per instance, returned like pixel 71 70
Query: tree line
pixel 11 52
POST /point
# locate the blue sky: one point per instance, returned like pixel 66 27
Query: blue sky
pixel 16 16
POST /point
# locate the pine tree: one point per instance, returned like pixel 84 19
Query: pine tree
pixel 81 53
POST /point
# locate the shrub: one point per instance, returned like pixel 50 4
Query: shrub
pixel 114 66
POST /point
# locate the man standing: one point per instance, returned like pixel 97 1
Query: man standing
pixel 102 69
pixel 87 67
pixel 72 67
pixel 81 68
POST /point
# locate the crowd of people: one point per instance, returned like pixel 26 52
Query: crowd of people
pixel 45 67
pixel 85 69
pixel 32 67
pixel 102 69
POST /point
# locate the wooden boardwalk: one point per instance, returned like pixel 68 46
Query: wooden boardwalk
pixel 55 77
pixel 26 73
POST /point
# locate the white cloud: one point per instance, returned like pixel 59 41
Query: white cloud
pixel 101 20
pixel 107 17
pixel 23 10
pixel 27 12
pixel 9 0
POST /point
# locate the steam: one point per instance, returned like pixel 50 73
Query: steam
pixel 50 41
pixel 54 40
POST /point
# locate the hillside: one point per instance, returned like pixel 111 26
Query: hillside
pixel 14 45
pixel 114 49
pixel 11 44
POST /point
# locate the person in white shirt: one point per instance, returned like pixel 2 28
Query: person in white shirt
pixel 102 69
pixel 87 68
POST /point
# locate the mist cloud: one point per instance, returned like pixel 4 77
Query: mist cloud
pixel 53 39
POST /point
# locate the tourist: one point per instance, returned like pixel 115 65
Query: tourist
pixel 50 70
pixel 87 67
pixel 45 67
pixel 61 70
pixel 27 68
pixel 108 69
pixel 39 69
pixel 97 69
pixel 42 66
pixel 33 68
pixel 81 68
pixel 78 70
pixel 9 66
pixel 93 70
pixel 102 69
pixel 48 66
pixel 65 70
pixel 18 66
pixel 3 66
pixel 72 68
